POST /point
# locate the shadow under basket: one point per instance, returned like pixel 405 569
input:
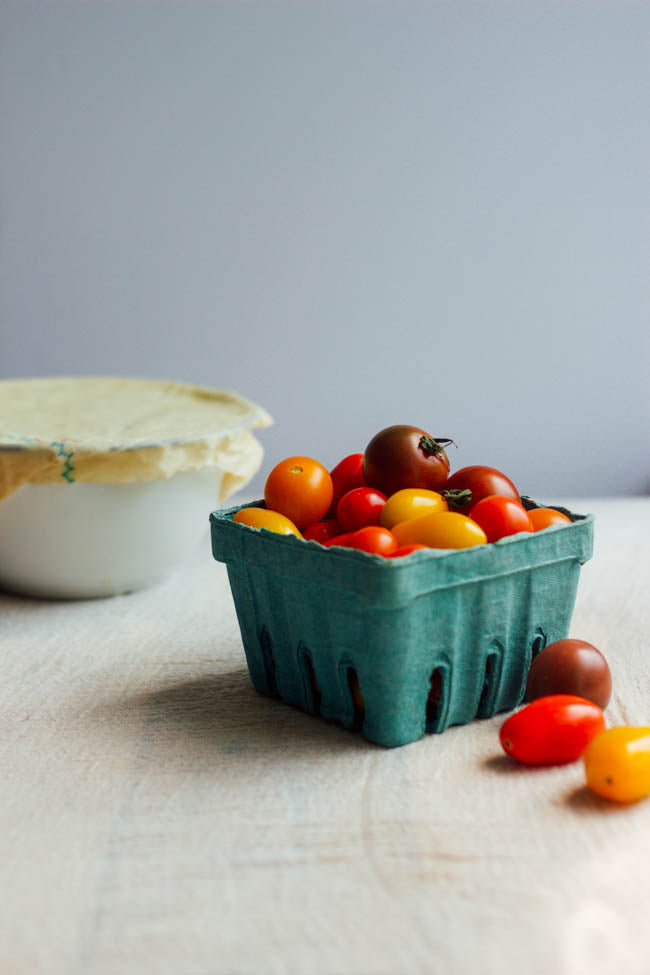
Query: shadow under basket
pixel 398 648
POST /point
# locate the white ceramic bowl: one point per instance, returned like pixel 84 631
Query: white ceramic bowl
pixel 107 483
pixel 72 541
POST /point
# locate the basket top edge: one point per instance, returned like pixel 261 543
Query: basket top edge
pixel 225 515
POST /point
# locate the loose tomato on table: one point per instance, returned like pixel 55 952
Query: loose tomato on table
pixel 499 517
pixel 405 457
pixel 541 518
pixel 553 730
pixel 617 764
pixel 372 539
pixel 570 667
pixel 272 521
pixel 411 503
pixel 299 488
pixel 449 529
pixel 347 474
pixel 360 507
pixel 469 485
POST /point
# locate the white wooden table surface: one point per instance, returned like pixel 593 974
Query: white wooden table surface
pixel 158 816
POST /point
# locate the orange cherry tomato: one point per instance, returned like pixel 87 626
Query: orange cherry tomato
pixel 553 730
pixel 499 516
pixel 541 518
pixel 372 539
pixel 272 521
pixel 299 488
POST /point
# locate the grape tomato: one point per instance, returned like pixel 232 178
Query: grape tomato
pixel 411 503
pixel 553 730
pixel 617 764
pixel 449 529
pixel 272 521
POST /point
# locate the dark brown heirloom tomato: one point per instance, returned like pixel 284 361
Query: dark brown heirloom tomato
pixel 405 457
pixel 471 484
pixel 570 667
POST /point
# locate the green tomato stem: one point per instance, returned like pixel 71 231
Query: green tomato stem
pixel 431 446
pixel 457 498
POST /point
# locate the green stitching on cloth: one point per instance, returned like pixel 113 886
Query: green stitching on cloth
pixel 68 468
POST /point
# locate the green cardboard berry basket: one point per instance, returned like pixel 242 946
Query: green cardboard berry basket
pixel 398 648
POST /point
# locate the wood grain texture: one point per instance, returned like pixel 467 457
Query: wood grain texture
pixel 158 816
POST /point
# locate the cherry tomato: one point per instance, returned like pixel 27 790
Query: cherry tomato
pixel 360 507
pixel 407 549
pixel 373 539
pixel 347 474
pixel 471 484
pixel 449 529
pixel 553 730
pixel 617 764
pixel 411 503
pixel 405 457
pixel 273 521
pixel 570 667
pixel 499 517
pixel 301 489
pixel 541 518
pixel 322 531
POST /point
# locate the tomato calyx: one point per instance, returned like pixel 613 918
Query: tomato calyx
pixel 431 446
pixel 458 497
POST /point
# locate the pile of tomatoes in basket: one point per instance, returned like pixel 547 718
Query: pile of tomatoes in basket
pixel 395 498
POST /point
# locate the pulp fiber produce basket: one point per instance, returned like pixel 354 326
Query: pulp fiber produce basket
pixel 398 648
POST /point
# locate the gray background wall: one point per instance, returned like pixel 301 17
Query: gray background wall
pixel 356 214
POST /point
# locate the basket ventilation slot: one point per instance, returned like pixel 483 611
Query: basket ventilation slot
pixel 538 644
pixel 490 676
pixel 435 700
pixel 358 704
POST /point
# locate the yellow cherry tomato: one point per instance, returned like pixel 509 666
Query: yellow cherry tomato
pixel 445 530
pixel 273 521
pixel 617 764
pixel 411 503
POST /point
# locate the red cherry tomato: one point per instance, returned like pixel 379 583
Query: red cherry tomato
pixel 471 484
pixel 406 457
pixel 406 550
pixel 499 517
pixel 347 474
pixel 360 507
pixel 322 531
pixel 553 730
pixel 372 539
